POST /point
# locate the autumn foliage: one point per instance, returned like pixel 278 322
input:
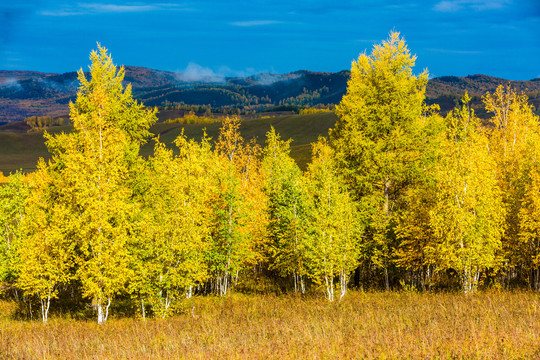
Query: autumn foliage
pixel 396 197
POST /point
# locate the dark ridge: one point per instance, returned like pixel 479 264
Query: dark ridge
pixel 32 93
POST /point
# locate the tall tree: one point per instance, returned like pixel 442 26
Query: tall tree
pixel 170 258
pixel 374 134
pixel 528 243
pixel 12 209
pixel 288 211
pixel 468 216
pixel 514 134
pixel 95 162
pixel 334 247
pixel 415 252
pixel 47 250
pixel 240 221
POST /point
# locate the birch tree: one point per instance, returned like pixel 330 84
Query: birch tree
pixel 94 164
pixel 417 243
pixel 170 258
pixel 373 137
pixel 468 216
pixel 239 208
pixel 514 133
pixel 12 209
pixel 289 211
pixel 334 247
pixel 47 250
pixel 529 225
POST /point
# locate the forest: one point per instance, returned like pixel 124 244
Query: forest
pixel 396 196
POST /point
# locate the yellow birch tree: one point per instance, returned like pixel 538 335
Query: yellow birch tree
pixel 94 164
pixel 468 216
pixel 373 137
pixel 334 246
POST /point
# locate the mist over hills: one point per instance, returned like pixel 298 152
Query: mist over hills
pixel 32 93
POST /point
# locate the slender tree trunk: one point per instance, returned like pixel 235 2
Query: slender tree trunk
pixel 103 314
pixel 45 303
pixel 330 287
pixel 16 295
pixel 167 305
pixel 143 311
pixel 343 280
pixel 30 307
pixel 100 314
pixel 387 185
pixel 466 281
pixel 386 280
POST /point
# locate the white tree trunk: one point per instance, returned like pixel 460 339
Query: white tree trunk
pixel 343 281
pixel 103 315
pixel 45 304
pixel 329 288
pixel 470 279
pixel 143 311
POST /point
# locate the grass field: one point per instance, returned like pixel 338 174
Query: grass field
pixel 378 325
pixel 22 150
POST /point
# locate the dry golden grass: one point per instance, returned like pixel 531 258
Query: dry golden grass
pixel 490 325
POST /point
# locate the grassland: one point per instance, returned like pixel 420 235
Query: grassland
pixel 378 325
pixel 22 150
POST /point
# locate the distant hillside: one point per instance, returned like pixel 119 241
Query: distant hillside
pixel 22 149
pixel 447 90
pixel 31 93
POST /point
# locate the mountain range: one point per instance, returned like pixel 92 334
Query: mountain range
pixel 32 93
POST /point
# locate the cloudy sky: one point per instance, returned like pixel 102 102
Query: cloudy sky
pixel 450 37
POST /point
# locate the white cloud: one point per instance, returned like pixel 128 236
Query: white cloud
pixel 10 83
pixel 100 8
pixel 61 13
pixel 113 8
pixel 447 6
pixel 462 52
pixel 197 73
pixel 479 5
pixel 255 23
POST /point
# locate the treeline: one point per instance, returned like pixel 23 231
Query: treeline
pixel 396 196
pixel 192 118
pixel 41 122
pixel 250 104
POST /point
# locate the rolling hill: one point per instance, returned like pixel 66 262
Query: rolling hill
pixel 31 93
pixel 21 150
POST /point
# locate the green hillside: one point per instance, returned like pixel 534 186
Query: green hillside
pixel 22 150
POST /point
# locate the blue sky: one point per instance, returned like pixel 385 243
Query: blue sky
pixel 450 37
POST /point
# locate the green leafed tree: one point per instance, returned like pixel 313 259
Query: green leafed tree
pixel 288 209
pixel 176 206
pixel 12 213
pixel 239 208
pixel 334 227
